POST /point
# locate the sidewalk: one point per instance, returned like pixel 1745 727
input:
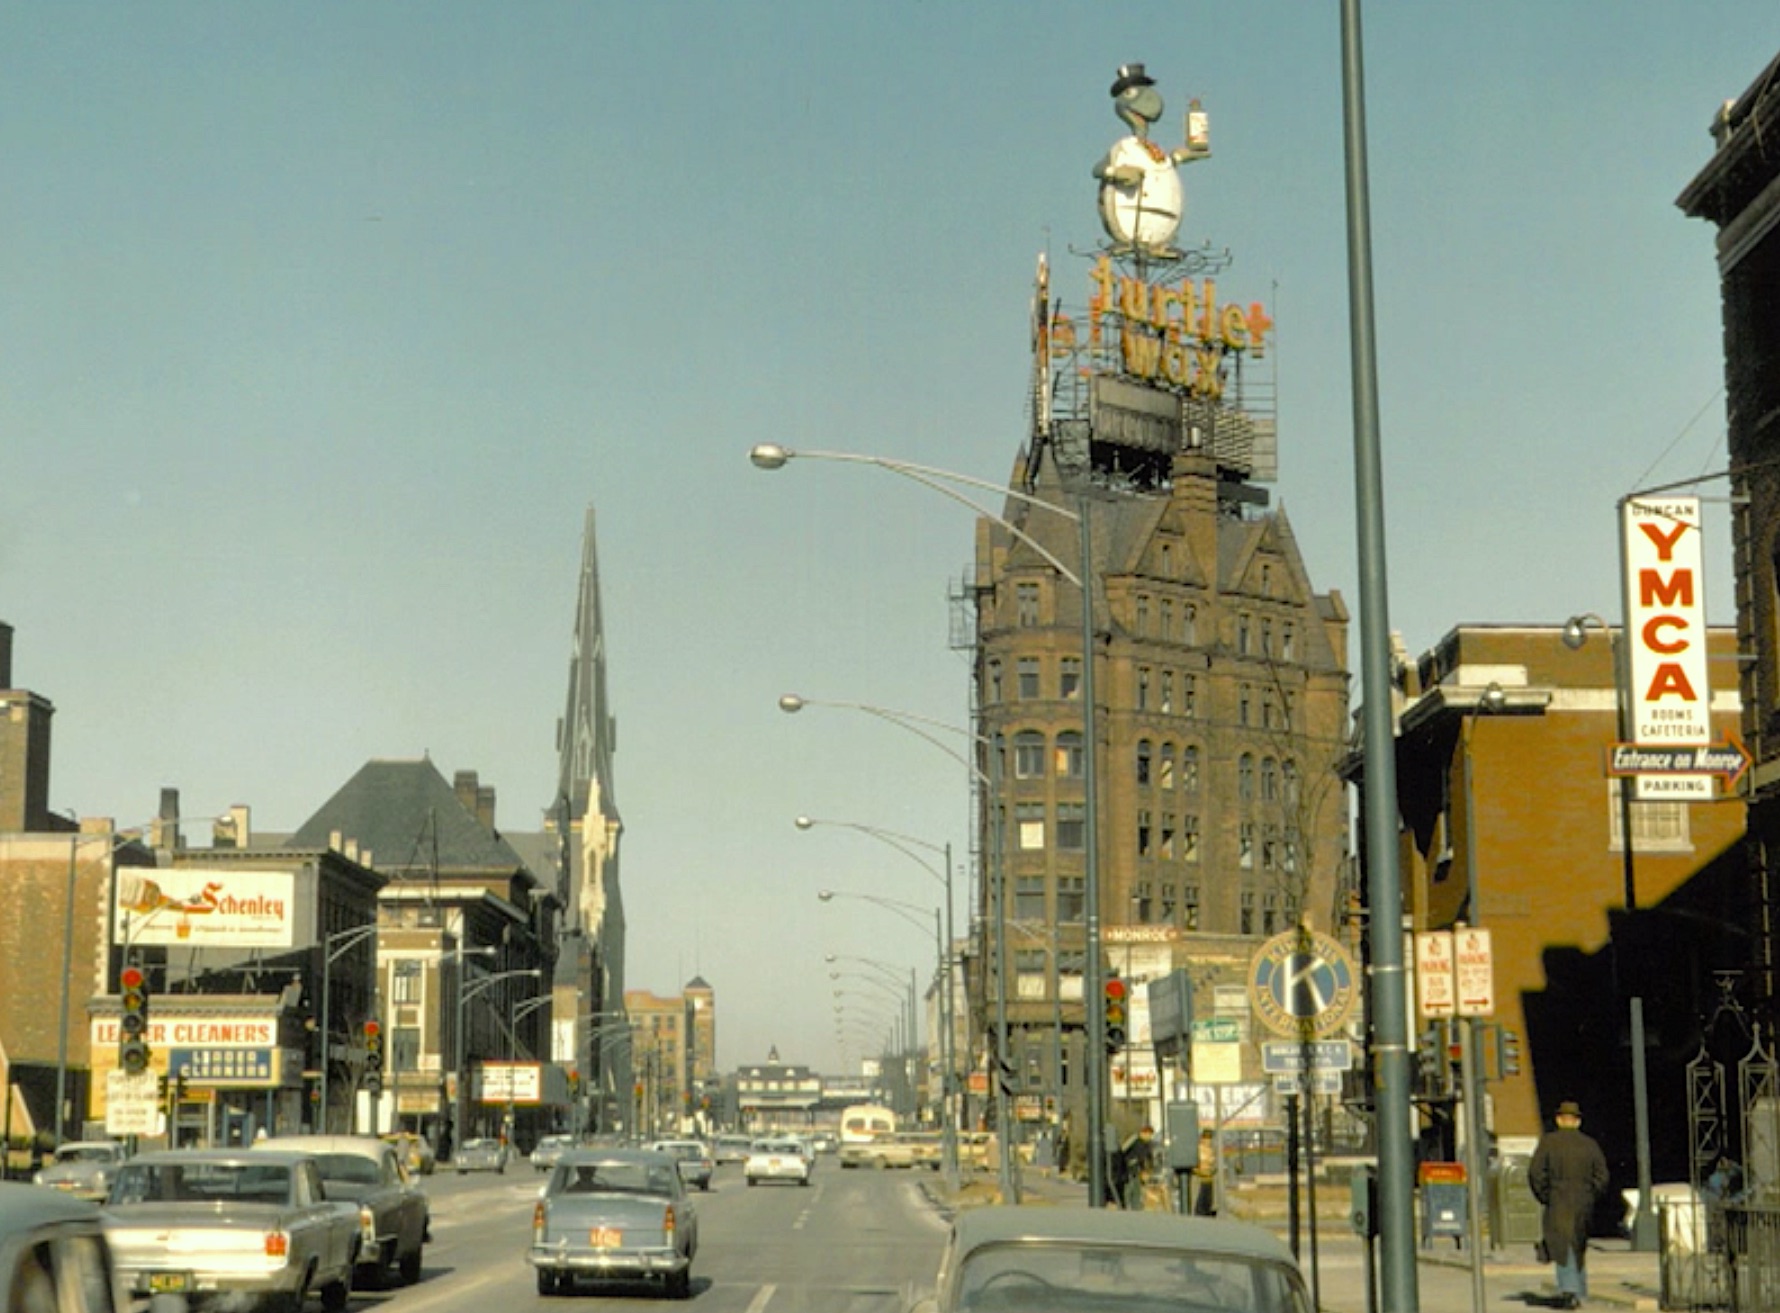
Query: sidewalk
pixel 1618 1278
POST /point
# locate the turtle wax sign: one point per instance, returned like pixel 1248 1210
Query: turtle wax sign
pixel 1665 607
pixel 205 907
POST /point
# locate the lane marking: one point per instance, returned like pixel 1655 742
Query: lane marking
pixel 761 1298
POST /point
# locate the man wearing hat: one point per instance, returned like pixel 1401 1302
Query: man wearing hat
pixel 1568 1173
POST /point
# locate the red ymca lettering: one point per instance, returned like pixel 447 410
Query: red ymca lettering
pixel 1652 630
pixel 1670 678
pixel 1665 542
pixel 1653 590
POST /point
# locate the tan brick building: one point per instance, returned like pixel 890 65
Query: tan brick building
pixel 1221 691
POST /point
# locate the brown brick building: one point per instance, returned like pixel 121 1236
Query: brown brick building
pixel 1511 822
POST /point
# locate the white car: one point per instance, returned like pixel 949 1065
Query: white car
pixel 777 1160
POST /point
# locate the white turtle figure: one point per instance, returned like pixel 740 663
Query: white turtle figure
pixel 1141 203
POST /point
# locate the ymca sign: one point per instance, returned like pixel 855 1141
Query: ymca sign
pixel 1665 607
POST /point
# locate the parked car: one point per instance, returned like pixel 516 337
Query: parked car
pixel 549 1150
pixel 824 1142
pixel 731 1148
pixel 53 1253
pixel 416 1154
pixel 1071 1257
pixel 614 1214
pixel 247 1224
pixel 777 1160
pixel 393 1215
pixel 83 1168
pixel 485 1155
pixel 694 1160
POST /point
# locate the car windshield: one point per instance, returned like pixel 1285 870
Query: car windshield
pixel 1042 1278
pixel 351 1168
pixel 612 1178
pixel 202 1182
pixel 683 1150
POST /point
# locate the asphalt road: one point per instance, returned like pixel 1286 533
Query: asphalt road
pixel 852 1242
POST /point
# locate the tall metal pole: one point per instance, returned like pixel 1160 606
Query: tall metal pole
pixel 327 1038
pixel 948 1042
pixel 1390 1062
pixel 1093 999
pixel 1004 1128
pixel 67 972
pixel 460 1113
pixel 1644 1233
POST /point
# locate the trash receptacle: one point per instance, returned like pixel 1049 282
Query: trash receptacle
pixel 1444 1206
pixel 1515 1216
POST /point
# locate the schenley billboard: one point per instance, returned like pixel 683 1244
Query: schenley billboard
pixel 204 907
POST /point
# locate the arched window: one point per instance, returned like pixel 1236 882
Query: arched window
pixel 1029 755
pixel 1166 770
pixel 1143 761
pixel 1069 760
pixel 1245 777
pixel 1269 780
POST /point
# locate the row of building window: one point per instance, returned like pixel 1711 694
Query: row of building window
pixel 1164 619
pixel 1168 838
pixel 1160 903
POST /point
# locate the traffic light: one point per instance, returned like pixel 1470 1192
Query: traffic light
pixel 1429 1058
pixel 373 1058
pixel 1507 1052
pixel 132 1048
pixel 1116 992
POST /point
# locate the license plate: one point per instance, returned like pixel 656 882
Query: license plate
pixel 169 1283
pixel 606 1237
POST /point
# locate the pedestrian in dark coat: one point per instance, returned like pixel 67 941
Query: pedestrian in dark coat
pixel 1568 1173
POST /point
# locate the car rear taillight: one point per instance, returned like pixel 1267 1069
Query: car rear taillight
pixel 539 1213
pixel 667 1222
pixel 277 1244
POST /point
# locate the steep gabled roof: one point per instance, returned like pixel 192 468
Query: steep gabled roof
pixel 410 818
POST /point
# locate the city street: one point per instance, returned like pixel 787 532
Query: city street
pixel 852 1242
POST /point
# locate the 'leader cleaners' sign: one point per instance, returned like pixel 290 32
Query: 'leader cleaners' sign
pixel 1666 621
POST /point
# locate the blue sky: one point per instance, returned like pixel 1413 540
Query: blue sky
pixel 323 324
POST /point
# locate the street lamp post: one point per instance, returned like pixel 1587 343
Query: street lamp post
pixel 948 1034
pixel 464 994
pixel 773 456
pixel 1644 1234
pixel 351 937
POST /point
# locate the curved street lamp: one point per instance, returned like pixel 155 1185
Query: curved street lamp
pixel 466 992
pixel 774 456
pixel 905 844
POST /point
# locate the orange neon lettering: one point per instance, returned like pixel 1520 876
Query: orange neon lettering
pixel 1665 542
pixel 1670 679
pixel 1652 632
pixel 1676 591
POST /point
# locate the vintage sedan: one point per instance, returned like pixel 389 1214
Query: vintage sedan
pixel 696 1163
pixel 548 1151
pixel 393 1215
pixel 485 1155
pixel 83 1168
pixel 54 1257
pixel 777 1160
pixel 614 1214
pixel 1048 1260
pixel 251 1225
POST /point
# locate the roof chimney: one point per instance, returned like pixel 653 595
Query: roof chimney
pixel 463 784
pixel 485 806
pixel 5 655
